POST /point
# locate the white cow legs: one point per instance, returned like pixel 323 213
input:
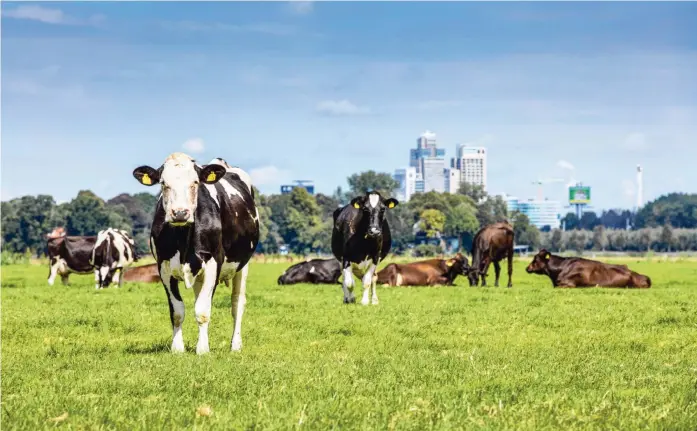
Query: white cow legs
pixel 204 298
pixel 239 299
pixel 347 285
pixel 369 281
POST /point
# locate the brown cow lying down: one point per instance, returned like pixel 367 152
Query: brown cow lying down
pixel 579 272
pixel 424 273
pixel 142 274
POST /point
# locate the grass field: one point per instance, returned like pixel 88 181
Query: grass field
pixel 527 358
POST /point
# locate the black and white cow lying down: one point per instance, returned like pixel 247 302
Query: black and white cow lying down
pixel 113 250
pixel 315 271
pixel 360 240
pixel 205 230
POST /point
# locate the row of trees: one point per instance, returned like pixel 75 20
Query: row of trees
pixel 303 222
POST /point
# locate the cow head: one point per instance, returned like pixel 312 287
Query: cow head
pixel 373 206
pixel 57 232
pixel 180 179
pixel 539 262
pixel 459 265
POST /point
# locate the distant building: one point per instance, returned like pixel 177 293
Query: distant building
pixel 429 162
pixel 541 213
pixel 306 184
pixel 452 180
pixel 406 177
pixel 471 162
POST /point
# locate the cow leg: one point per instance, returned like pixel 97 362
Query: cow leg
pixel 52 272
pixel 487 262
pixel 176 307
pixel 97 281
pixel 369 281
pixel 239 299
pixel 347 285
pixel 510 268
pixel 118 280
pixel 65 279
pixel 203 291
pixel 497 271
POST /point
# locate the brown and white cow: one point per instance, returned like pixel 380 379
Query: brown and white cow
pixel 429 272
pixel 580 272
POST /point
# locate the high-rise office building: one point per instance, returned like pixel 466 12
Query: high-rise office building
pixel 541 213
pixel 406 177
pixel 471 162
pixel 429 162
pixel 452 180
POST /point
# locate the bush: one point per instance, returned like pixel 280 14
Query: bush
pixel 11 258
pixel 427 250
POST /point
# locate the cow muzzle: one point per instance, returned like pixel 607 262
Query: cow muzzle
pixel 180 217
pixel 373 232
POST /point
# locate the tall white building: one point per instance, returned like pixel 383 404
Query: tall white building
pixel 406 177
pixel 429 162
pixel 471 163
pixel 452 180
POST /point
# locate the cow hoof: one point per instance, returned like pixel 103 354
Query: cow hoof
pixel 236 346
pixel 350 300
pixel 202 350
pixel 375 302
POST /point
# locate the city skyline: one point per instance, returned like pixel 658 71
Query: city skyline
pixel 328 89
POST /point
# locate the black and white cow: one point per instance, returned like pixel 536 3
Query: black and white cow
pixel 114 250
pixel 69 254
pixel 205 230
pixel 360 240
pixel 315 271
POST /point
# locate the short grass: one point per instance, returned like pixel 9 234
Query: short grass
pixel 527 358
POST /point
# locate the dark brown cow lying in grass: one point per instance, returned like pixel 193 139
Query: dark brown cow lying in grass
pixel 579 272
pixel 424 273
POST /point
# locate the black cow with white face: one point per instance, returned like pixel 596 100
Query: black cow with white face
pixel 360 240
pixel 205 231
pixel 315 271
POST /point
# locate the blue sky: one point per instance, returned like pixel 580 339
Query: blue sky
pixel 321 90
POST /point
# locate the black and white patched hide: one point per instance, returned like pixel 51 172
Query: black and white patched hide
pixel 360 240
pixel 205 231
pixel 69 254
pixel 113 251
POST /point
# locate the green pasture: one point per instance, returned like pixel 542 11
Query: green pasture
pixel 527 358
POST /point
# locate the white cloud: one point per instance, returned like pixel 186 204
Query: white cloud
pixel 202 27
pixel 268 176
pixel 194 145
pixel 341 108
pixel 565 165
pixel 301 7
pixel 635 142
pixel 49 16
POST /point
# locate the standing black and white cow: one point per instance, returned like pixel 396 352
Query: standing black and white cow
pixel 114 250
pixel 205 230
pixel 360 240
pixel 68 254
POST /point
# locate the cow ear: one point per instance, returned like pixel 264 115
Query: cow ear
pixel 357 202
pixel 146 175
pixel 547 255
pixel 391 203
pixel 450 262
pixel 211 174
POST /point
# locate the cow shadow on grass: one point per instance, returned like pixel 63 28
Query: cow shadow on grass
pixel 162 346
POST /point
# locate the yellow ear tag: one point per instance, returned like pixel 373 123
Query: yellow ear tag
pixel 356 206
pixel 390 205
pixel 211 177
pixel 146 180
pixel 449 263
pixel 547 256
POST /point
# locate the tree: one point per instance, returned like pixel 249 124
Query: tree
pixel 432 223
pixel 556 240
pixel 667 239
pixel 362 183
pixel 570 221
pixel 88 214
pixel 25 222
pixel 576 242
pixel 401 220
pixel 328 204
pixel 599 238
pixel 461 221
pixel 492 210
pixel 473 191
pixel 525 233
pixel 678 209
pixel 589 220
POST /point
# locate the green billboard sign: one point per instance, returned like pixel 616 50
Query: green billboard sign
pixel 579 195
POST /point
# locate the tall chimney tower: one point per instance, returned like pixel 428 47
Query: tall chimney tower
pixel 639 187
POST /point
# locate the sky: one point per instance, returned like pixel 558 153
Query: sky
pixel 322 90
